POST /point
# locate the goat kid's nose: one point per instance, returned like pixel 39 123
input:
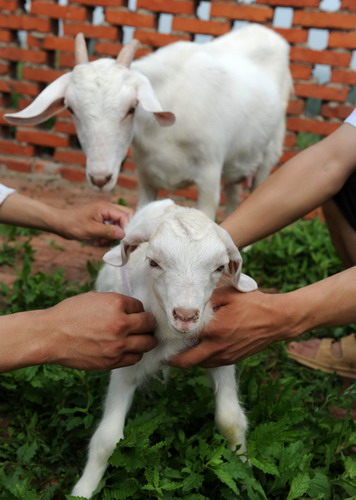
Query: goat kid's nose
pixel 183 314
pixel 100 181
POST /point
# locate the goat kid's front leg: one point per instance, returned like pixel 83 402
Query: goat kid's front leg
pixel 229 415
pixel 208 186
pixel 110 430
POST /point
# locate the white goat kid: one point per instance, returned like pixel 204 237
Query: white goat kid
pixel 228 98
pixel 173 257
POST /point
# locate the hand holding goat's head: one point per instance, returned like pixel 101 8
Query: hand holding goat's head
pixel 185 255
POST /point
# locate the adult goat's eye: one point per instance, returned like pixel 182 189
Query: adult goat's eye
pixel 131 111
pixel 153 263
pixel 70 110
pixel 219 269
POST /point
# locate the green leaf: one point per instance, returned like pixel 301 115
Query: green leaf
pixel 300 485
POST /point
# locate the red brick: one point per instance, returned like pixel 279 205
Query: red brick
pixel 6 36
pixel 34 41
pixel 4 68
pixel 107 32
pixel 338 20
pixel 310 125
pixel 72 174
pixel 167 6
pixel 103 3
pixel 301 71
pixel 67 156
pixel 290 3
pixel 126 181
pixel 45 167
pixel 19 86
pixel 158 39
pixel 59 11
pixel 65 127
pixel 341 111
pixel 289 140
pixel 320 56
pixel 192 25
pixel 250 13
pixel 343 40
pixel 24 22
pixel 66 60
pixel 17 165
pixel 58 43
pixel 13 148
pixel 40 74
pixel 287 155
pixel 112 49
pixel 295 107
pixel 18 54
pixel 129 19
pixel 321 92
pixel 42 138
pixel 8 5
pixel 343 76
pixel 128 166
pixel 348 4
pixel 293 35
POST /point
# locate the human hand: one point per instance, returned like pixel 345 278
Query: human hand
pixel 243 324
pixel 99 220
pixel 98 331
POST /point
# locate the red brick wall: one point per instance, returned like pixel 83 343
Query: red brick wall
pixel 25 69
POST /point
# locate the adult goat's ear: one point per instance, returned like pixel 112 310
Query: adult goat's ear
pixel 148 100
pixel 241 281
pixel 48 103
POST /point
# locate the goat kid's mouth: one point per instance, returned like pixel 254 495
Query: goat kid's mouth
pixel 185 327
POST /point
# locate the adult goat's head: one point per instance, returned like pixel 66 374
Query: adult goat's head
pixel 185 256
pixel 102 97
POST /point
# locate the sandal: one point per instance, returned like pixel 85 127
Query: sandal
pixel 325 361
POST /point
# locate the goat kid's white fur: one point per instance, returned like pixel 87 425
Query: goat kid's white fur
pixel 227 97
pixel 174 257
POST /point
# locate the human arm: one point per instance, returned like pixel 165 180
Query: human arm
pixel 73 222
pixel 246 323
pixel 89 331
pixel 302 184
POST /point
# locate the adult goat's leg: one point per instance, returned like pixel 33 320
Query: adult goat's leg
pixel 109 431
pixel 208 186
pixel 229 415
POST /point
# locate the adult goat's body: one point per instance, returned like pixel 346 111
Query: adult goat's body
pixel 178 257
pixel 228 99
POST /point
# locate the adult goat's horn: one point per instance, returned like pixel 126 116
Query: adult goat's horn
pixel 80 50
pixel 127 53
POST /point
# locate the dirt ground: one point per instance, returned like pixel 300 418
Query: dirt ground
pixel 52 251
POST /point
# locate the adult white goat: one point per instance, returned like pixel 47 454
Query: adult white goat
pixel 177 255
pixel 228 98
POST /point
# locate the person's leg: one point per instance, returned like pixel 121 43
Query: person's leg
pixel 342 234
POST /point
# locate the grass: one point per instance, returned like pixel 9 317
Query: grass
pixel 172 450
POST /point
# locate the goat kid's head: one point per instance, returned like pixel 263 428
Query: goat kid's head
pixel 185 256
pixel 102 97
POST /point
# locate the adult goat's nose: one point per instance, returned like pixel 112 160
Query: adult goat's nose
pixel 100 181
pixel 186 314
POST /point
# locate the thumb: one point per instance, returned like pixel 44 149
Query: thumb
pixel 109 230
pixel 192 356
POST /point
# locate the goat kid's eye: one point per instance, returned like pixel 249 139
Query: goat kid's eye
pixel 131 111
pixel 70 110
pixel 153 263
pixel 219 269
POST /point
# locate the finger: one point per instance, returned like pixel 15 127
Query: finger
pixel 193 356
pixel 138 343
pixel 221 296
pixel 128 360
pixel 143 322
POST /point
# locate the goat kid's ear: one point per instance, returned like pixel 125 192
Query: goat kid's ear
pixel 148 100
pixel 48 103
pixel 241 281
pixel 119 256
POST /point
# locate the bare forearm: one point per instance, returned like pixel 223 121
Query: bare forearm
pixel 23 211
pixel 327 303
pixel 305 182
pixel 23 340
